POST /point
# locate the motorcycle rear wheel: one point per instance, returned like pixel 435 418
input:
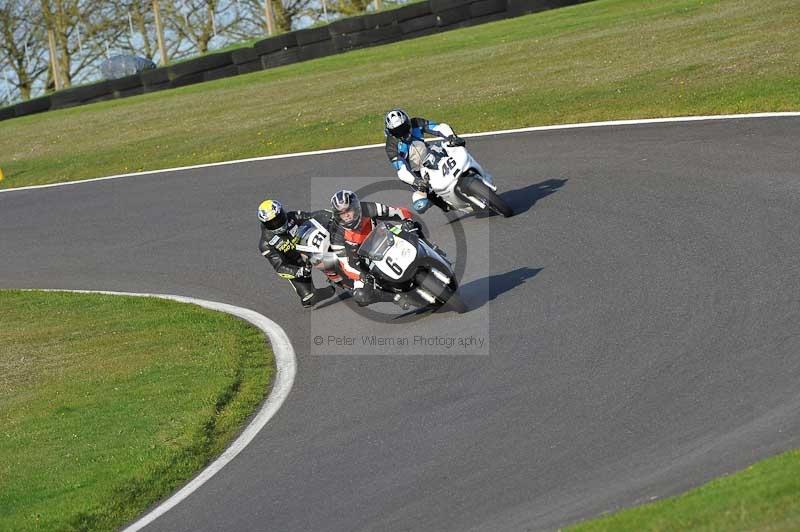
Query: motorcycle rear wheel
pixel 436 288
pixel 478 188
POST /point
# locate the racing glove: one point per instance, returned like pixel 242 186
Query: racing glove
pixel 410 225
pixel 455 140
pixel 421 184
pixel 293 273
pixel 366 280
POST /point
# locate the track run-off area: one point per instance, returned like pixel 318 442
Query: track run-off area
pixel 639 318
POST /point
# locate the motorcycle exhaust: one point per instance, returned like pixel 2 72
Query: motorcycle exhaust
pixel 442 277
pixel 426 296
pixel 476 201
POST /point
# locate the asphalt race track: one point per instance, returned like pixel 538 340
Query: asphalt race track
pixel 641 319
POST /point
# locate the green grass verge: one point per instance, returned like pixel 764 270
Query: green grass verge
pixel 110 403
pixel 601 60
pixel 765 496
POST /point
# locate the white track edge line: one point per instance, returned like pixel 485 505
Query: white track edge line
pixel 286 369
pixel 467 135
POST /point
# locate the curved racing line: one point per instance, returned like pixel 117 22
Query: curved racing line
pixel 284 352
pixel 286 368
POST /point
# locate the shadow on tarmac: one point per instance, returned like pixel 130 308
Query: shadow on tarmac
pixel 469 297
pixel 520 200
pixel 477 293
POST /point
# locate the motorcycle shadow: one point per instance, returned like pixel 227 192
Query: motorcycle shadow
pixel 520 200
pixel 475 294
pixel 469 297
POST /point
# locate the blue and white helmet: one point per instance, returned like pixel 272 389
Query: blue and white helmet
pixel 397 124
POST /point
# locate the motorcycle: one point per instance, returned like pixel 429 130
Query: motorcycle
pixel 401 261
pixel 314 244
pixel 457 178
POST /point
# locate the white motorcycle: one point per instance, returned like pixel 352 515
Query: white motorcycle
pixel 314 244
pixel 457 178
pixel 403 262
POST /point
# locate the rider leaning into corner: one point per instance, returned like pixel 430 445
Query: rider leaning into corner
pixel 354 221
pixel 277 245
pixel 401 133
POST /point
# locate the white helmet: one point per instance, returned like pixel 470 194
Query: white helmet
pixel 397 124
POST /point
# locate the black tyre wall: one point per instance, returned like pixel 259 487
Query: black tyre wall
pixel 36 105
pixel 10 112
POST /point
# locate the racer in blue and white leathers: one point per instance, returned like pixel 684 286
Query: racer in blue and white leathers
pixel 401 131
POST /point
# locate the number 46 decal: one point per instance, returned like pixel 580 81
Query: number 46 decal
pixel 448 165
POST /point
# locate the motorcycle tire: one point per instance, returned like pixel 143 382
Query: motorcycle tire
pixel 478 188
pixel 434 286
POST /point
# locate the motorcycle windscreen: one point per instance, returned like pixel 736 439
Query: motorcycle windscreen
pixel 377 243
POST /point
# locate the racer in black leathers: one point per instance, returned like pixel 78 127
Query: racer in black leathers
pixel 401 131
pixel 354 221
pixel 277 245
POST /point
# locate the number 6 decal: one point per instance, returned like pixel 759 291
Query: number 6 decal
pixel 394 266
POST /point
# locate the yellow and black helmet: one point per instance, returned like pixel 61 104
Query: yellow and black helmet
pixel 272 215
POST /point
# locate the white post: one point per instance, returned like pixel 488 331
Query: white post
pixel 80 42
pixel 51 44
pixel 325 10
pixel 7 84
pixel 130 25
pixel 160 33
pixel 270 17
pixel 214 23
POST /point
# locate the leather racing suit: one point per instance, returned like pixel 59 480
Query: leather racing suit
pixel 347 241
pixel 397 150
pixel 279 250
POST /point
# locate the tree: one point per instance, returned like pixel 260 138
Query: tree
pixel 286 13
pixel 199 21
pixel 84 32
pixel 22 46
pixel 352 7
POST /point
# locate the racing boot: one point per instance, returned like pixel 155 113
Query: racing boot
pixel 402 300
pixel 320 294
pixel 438 201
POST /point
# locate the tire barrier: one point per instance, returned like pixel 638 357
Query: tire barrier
pixel 407 22
pixel 36 105
pixel 10 111
pixel 123 84
pixel 222 72
pixel 154 77
pixel 250 66
pixel 157 87
pixel 244 55
pixel 81 95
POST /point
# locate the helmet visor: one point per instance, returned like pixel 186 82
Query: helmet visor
pixel 402 131
pixel 277 224
pixel 351 216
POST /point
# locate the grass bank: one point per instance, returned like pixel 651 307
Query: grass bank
pixel 765 496
pixel 109 403
pixel 607 59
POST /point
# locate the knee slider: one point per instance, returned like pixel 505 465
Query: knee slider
pixel 421 205
pixel 361 297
